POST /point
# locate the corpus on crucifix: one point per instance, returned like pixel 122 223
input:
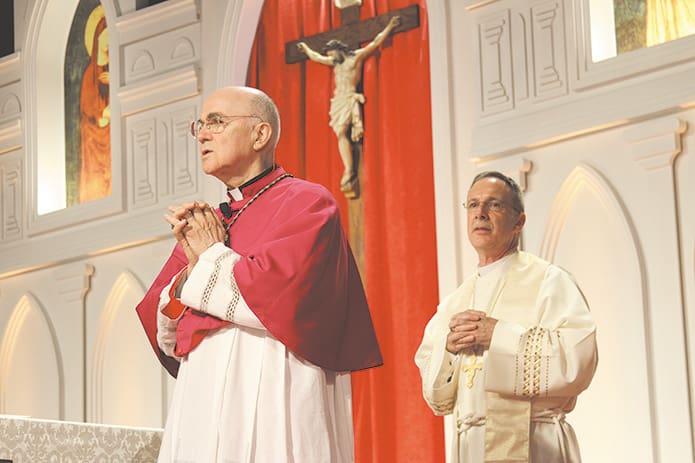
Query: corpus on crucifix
pixel 354 33
pixel 345 110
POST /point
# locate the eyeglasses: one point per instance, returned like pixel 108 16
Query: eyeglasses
pixel 215 124
pixel 492 205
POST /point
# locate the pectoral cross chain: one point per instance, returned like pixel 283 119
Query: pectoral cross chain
pixel 471 369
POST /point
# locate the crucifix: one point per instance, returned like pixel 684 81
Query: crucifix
pixel 471 369
pixel 343 53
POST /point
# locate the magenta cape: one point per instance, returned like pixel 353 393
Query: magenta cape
pixel 297 274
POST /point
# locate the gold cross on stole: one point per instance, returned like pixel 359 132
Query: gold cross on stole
pixel 471 369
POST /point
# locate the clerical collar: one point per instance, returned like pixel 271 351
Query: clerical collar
pixel 236 194
pixel 486 269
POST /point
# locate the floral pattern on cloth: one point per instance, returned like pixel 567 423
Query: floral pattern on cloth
pixel 26 440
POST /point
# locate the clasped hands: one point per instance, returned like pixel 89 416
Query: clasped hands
pixel 196 226
pixel 469 328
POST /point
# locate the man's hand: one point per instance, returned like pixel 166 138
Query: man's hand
pixel 196 227
pixel 469 328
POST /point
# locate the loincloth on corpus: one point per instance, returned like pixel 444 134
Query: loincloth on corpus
pixel 342 107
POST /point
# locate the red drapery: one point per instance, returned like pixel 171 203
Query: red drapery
pixel 392 422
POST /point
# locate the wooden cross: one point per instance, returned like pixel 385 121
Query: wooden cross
pixel 354 33
pixel 471 369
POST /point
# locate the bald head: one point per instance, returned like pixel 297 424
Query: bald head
pixel 254 102
pixel 237 133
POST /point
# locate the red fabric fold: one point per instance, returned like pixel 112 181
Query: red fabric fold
pixel 391 420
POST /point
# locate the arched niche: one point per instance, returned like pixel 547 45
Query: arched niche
pixel 127 384
pixel 47 34
pixel 31 371
pixel 589 233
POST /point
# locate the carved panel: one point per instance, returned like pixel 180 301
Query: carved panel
pixel 550 69
pixel 521 56
pixel 10 102
pixel 184 152
pixel 142 64
pixel 182 51
pixel 144 163
pixel 161 54
pixel 11 206
pixel 495 63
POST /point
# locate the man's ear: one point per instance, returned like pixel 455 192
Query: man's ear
pixel 520 222
pixel 263 134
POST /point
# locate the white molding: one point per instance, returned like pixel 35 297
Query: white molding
pixel 618 91
pixel 10 69
pixel 27 304
pixel 592 112
pixel 238 34
pixel 156 20
pixel 83 240
pixel 104 331
pixel 627 65
pixel 38 110
pixel 159 90
pixel 473 4
pixel 446 172
pixel 74 281
pixel 11 200
pixel 11 135
pixel 656 143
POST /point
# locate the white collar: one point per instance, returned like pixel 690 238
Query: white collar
pixel 498 264
pixel 236 194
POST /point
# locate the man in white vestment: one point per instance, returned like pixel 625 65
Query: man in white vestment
pixel 509 351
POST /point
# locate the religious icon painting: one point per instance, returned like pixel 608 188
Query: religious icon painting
pixel 645 23
pixel 87 106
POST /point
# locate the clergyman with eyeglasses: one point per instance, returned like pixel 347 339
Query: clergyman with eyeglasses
pixel 508 352
pixel 260 308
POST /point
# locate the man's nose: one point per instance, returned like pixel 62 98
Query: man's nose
pixel 481 210
pixel 203 134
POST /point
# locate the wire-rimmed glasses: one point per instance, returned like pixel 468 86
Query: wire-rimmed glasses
pixel 215 124
pixel 492 205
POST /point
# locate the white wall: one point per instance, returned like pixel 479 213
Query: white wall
pixel 605 152
pixel 70 280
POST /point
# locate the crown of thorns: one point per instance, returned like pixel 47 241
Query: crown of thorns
pixel 336 44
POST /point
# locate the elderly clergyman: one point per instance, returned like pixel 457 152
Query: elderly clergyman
pixel 260 308
pixel 509 351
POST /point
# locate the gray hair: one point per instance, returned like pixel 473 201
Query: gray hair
pixel 261 104
pixel 517 197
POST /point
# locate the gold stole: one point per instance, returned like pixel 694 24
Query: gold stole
pixel 508 419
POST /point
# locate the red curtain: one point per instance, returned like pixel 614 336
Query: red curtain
pixel 392 422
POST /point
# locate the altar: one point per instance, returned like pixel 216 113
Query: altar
pixel 27 440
